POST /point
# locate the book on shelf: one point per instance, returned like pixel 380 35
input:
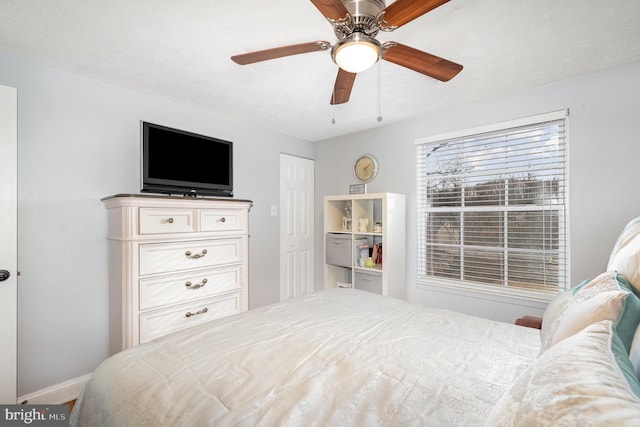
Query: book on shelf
pixel 357 243
pixel 364 254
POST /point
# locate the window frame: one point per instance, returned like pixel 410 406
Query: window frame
pixel 425 281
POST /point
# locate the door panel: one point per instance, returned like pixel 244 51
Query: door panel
pixel 8 248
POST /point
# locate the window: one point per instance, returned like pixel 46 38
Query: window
pixel 492 208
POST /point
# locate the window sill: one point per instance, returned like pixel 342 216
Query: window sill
pixel 524 297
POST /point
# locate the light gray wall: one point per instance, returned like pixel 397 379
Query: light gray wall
pixel 604 146
pixel 79 141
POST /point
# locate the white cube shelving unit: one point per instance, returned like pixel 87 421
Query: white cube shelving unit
pixel 342 226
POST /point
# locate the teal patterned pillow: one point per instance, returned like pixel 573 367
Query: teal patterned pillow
pixel 609 296
pixel 634 353
pixel 552 316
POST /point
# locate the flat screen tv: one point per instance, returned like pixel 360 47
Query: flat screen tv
pixel 180 162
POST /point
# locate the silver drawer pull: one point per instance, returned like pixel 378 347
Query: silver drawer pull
pixel 189 314
pixel 189 285
pixel 170 220
pixel 223 219
pixel 188 254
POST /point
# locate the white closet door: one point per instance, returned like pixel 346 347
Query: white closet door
pixel 9 246
pixel 296 226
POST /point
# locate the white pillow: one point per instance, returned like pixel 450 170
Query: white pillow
pixel 586 379
pixel 625 256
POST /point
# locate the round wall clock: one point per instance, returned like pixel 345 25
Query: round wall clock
pixel 366 168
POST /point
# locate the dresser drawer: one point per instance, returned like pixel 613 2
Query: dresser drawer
pixel 162 322
pixel 164 220
pixel 176 289
pixel 169 257
pixel 221 220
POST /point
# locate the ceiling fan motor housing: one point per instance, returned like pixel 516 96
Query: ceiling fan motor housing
pixel 363 20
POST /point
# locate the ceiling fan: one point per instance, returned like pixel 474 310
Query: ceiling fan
pixel 356 24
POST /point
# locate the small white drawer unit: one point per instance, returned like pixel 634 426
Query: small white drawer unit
pixel 174 262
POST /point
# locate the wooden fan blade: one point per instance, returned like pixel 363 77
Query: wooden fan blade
pixel 343 86
pixel 422 62
pixel 331 9
pixel 279 52
pixel 400 12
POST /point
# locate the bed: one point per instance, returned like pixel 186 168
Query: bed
pixel 338 357
pixel 344 357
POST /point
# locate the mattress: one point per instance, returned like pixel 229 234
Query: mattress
pixel 339 357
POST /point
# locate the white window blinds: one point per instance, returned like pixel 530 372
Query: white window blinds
pixel 492 207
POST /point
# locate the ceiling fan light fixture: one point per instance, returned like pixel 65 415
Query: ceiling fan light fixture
pixel 356 53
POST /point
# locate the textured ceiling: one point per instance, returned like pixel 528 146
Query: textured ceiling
pixel 180 50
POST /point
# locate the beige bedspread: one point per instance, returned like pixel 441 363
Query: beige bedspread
pixel 336 358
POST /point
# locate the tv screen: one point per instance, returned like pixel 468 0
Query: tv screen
pixel 180 162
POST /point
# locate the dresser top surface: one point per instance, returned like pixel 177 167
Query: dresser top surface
pixel 162 197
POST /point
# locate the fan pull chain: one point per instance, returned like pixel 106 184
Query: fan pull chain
pixel 333 112
pixel 379 118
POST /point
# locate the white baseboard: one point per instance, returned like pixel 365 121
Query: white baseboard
pixel 57 394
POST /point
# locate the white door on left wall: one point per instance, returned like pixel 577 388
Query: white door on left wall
pixel 9 245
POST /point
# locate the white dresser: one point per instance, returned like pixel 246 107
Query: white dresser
pixel 174 262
